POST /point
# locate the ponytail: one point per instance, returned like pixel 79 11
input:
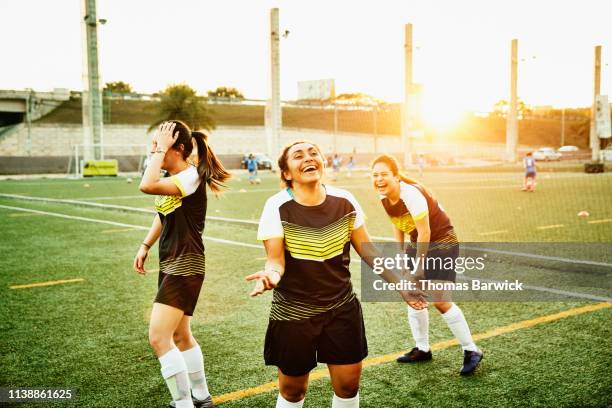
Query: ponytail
pixel 210 168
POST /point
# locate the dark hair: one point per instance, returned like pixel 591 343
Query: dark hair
pixel 529 154
pixel 210 168
pixel 394 166
pixel 282 160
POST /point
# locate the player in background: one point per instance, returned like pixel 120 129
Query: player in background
pixel 251 165
pixel 529 164
pixel 308 229
pixel 415 212
pixel 179 224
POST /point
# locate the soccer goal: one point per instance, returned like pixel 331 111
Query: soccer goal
pixel 129 158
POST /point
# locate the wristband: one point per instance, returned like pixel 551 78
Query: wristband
pixel 147 245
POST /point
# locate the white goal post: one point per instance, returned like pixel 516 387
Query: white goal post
pixel 130 157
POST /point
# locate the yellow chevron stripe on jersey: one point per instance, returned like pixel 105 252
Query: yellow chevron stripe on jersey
pixel 319 244
pixel 288 309
pixel 446 242
pixel 184 265
pixel 404 223
pixel 167 204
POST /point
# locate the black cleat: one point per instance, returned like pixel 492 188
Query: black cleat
pixel 198 403
pixel 471 359
pixel 415 355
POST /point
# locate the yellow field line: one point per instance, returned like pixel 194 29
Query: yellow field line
pixel 373 361
pixel 111 231
pixel 600 221
pixel 545 227
pixel 493 232
pixel 50 283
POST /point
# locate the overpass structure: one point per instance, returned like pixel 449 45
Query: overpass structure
pixel 19 108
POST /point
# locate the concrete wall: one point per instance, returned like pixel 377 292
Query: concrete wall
pixel 49 141
pixel 58 140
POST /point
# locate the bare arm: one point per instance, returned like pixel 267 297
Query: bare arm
pixel 399 238
pixel 359 239
pixel 149 241
pixel 273 269
pixel 151 182
pixel 423 237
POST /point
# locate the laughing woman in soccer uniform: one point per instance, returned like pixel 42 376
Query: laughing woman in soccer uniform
pixel 307 229
pixel 415 212
pixel 179 224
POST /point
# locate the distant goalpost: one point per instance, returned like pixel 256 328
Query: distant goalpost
pixel 130 157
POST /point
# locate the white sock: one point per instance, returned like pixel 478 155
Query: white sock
pixel 174 371
pixel 458 325
pixel 283 403
pixel 338 402
pixel 195 367
pixel 419 325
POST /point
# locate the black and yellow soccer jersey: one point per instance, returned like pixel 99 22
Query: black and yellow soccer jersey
pixel 416 203
pixel 181 249
pixel 317 247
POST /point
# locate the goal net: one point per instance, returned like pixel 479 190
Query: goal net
pixel 130 157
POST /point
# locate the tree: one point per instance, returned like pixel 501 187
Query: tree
pixel 180 102
pixel 500 108
pixel 357 98
pixel 225 92
pixel 118 87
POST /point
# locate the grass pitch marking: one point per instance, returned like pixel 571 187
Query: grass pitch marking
pixel 255 246
pixel 24 215
pixel 113 207
pixel 374 361
pixel 600 221
pixel 112 231
pixel 546 227
pixel 484 234
pixel 50 283
pixel 121 224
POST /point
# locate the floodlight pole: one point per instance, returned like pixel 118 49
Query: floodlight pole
pixel 407 116
pixel 594 139
pixel 511 119
pixel 562 126
pixel 92 96
pixel 273 116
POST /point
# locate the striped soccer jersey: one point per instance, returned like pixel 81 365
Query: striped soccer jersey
pixel 416 203
pixel 317 251
pixel 181 250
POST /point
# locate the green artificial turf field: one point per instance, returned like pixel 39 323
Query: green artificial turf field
pixel 92 334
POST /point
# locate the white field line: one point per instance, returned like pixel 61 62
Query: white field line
pixel 113 207
pixel 253 222
pixel 120 224
pixel 600 221
pixel 548 290
pixel 524 255
pixel 547 227
pixel 243 244
pixel 536 288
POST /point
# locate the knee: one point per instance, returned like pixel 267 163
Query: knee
pixel 293 393
pixel 158 341
pixel 443 306
pixel 347 390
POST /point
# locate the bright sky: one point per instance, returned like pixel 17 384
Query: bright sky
pixel 462 55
